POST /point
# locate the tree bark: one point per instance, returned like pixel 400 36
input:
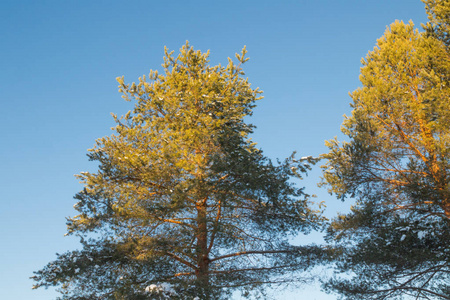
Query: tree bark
pixel 203 260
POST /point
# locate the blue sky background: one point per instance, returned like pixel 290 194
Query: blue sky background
pixel 59 61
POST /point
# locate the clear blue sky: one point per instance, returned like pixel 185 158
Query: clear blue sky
pixel 59 61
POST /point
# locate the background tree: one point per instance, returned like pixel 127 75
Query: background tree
pixel 394 242
pixel 439 19
pixel 183 204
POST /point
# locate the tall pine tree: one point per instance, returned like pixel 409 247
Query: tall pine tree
pixel 184 205
pixel 396 164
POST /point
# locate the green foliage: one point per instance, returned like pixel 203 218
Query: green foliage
pixel 394 242
pixel 183 197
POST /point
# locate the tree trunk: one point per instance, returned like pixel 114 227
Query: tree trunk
pixel 203 260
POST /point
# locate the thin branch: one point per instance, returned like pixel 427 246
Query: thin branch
pixel 181 260
pixel 250 252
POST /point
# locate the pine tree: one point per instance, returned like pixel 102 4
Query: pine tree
pixel 396 166
pixel 183 204
pixel 439 20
